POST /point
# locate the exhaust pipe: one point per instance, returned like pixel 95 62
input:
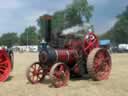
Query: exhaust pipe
pixel 48 27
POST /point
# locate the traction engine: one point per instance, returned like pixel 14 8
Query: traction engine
pixel 77 58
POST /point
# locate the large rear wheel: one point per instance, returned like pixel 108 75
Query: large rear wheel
pixel 99 64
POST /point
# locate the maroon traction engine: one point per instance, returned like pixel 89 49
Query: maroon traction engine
pixel 77 58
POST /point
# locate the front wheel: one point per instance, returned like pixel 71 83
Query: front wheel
pixel 35 73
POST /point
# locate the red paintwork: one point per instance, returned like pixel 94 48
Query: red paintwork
pixel 90 43
pixel 5 65
pixel 68 56
pixel 76 69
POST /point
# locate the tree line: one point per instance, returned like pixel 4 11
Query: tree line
pixel 28 37
pixel 77 12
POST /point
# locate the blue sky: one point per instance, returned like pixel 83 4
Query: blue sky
pixel 16 15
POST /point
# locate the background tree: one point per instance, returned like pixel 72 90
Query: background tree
pixel 68 17
pixel 78 10
pixel 83 8
pixel 72 17
pixel 119 32
pixel 9 39
pixel 58 21
pixel 29 36
pixel 106 35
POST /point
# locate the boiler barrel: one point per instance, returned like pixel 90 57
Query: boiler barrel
pixel 60 55
pixel 67 56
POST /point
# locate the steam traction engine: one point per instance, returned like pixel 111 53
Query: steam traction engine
pixel 78 57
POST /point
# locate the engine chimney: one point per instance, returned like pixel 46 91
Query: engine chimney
pixel 48 28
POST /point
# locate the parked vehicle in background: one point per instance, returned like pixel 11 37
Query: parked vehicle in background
pixel 123 48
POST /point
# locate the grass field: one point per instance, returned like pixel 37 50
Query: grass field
pixel 17 85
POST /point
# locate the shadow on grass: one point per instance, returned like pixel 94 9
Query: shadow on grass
pixel 9 78
pixel 76 78
pixel 44 81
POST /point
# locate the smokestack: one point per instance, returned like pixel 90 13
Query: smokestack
pixel 48 29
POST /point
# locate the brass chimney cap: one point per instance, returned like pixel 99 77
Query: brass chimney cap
pixel 46 17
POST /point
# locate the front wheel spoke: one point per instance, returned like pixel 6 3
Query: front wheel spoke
pixel 40 72
pixel 40 75
pixel 33 66
pixel 32 78
pixel 36 78
pixel 36 67
pixel 30 74
pixel 40 69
